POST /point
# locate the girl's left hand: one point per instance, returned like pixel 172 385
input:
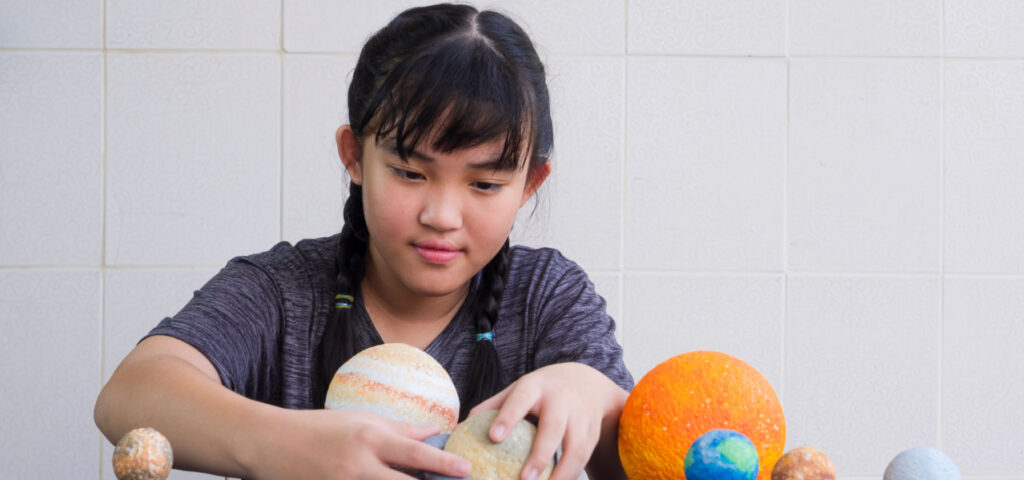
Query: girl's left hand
pixel 575 404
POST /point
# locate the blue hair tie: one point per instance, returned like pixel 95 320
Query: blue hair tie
pixel 488 336
pixel 343 301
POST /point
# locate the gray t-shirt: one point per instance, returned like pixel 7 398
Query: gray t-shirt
pixel 260 319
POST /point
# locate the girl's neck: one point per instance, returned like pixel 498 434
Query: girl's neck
pixel 401 315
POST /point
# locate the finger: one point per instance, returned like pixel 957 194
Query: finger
pixel 577 447
pixel 520 401
pixel 493 403
pixel 407 430
pixel 551 428
pixel 420 456
pixel 384 472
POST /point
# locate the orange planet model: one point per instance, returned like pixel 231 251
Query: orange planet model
pixel 685 397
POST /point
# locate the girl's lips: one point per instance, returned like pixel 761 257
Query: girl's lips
pixel 436 255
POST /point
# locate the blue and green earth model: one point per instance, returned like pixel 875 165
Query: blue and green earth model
pixel 721 455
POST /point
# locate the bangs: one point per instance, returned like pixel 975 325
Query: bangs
pixel 459 93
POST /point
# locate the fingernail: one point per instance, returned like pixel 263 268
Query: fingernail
pixel 531 474
pixel 498 432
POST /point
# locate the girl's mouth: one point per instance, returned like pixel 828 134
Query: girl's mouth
pixel 436 255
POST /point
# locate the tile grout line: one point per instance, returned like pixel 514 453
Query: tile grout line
pixel 281 127
pixel 624 184
pixel 103 231
pixel 785 224
pixel 942 220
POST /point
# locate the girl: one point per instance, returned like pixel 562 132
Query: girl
pixel 449 135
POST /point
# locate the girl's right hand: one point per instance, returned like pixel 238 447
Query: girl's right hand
pixel 339 444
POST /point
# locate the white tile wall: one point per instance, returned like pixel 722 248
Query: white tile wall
pixel 51 24
pixel 555 27
pixel 315 104
pixel 984 104
pixel 224 24
pixel 865 28
pixel 707 27
pixel 669 314
pixel 187 132
pixel 983 376
pixel 864 165
pixel 705 150
pixel 984 28
pixel 51 173
pixel 862 377
pixel 581 203
pixel 848 226
pixel 49 363
pixel 336 25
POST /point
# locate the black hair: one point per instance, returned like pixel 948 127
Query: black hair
pixel 463 78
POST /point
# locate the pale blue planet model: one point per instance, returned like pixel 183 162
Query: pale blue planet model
pixel 721 455
pixel 922 463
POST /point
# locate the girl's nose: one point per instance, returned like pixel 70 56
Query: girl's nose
pixel 442 211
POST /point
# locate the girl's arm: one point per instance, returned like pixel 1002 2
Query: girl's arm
pixel 576 406
pixel 167 384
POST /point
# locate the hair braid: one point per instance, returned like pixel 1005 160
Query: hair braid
pixel 337 344
pixel 486 376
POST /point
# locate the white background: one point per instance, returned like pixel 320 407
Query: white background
pixel 830 190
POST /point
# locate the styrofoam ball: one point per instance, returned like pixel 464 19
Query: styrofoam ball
pixel 143 454
pixel 804 463
pixel 493 461
pixel 396 381
pixel 922 463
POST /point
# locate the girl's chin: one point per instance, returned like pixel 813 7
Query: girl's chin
pixel 434 287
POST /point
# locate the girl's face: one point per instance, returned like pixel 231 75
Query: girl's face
pixel 438 219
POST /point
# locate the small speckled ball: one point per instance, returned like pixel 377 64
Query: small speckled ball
pixel 396 381
pixel 921 463
pixel 804 463
pixel 722 455
pixel 493 461
pixel 143 454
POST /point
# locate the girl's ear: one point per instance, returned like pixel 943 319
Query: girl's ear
pixel 534 178
pixel 350 152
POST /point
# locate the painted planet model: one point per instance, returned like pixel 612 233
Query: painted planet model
pixel 143 454
pixel 804 463
pixel 688 395
pixel 396 381
pixel 492 461
pixel 722 455
pixel 922 463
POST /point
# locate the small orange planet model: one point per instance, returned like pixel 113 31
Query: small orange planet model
pixel 804 463
pixel 688 395
pixel 143 454
pixel 396 381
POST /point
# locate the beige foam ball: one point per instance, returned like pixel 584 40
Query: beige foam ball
pixel 396 381
pixel 494 461
pixel 143 454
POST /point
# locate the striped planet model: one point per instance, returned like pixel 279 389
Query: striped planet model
pixel 396 381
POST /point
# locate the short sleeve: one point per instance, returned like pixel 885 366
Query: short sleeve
pixel 575 327
pixel 234 320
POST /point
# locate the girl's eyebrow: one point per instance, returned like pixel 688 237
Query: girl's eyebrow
pixel 491 164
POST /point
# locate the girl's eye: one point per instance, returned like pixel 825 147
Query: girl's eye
pixel 407 174
pixel 487 187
